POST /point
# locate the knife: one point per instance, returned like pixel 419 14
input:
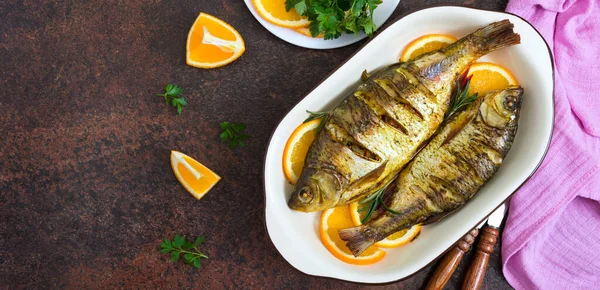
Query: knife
pixel 450 262
pixel 485 247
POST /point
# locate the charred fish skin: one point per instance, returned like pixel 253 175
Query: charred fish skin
pixel 450 170
pixel 375 131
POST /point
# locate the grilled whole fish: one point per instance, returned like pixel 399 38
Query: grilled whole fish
pixel 457 162
pixel 374 132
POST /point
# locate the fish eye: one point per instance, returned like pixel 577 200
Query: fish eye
pixel 509 103
pixel 305 195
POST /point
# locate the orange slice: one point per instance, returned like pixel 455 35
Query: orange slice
pixel 212 43
pixel 274 12
pixel 425 44
pixel 337 218
pixel 306 31
pixel 394 240
pixel 488 77
pixel 195 177
pixel 296 149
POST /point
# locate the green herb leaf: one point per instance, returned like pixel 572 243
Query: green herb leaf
pixel 166 244
pixel 334 17
pixel 187 246
pixel 386 207
pixel 461 97
pixel 373 201
pixel 358 7
pixel 315 29
pixel 317 115
pixel 369 198
pixel 372 4
pixel 351 24
pixel 178 241
pixel 171 97
pixel 175 256
pixel 181 101
pixel 368 26
pixel 301 7
pixel 345 5
pixel 179 246
pixel 233 134
pixel 289 4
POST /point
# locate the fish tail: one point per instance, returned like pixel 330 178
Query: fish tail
pixel 356 240
pixel 495 36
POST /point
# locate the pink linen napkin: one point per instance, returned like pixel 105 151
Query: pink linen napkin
pixel 552 235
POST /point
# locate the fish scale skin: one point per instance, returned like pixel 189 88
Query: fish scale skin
pixel 393 146
pixel 444 175
pixel 390 117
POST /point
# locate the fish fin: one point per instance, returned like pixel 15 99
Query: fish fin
pixel 377 172
pixel 497 35
pixel 370 177
pixel 458 122
pixel 355 239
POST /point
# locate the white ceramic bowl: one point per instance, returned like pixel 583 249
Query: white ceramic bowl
pixel 295 234
pixel 382 13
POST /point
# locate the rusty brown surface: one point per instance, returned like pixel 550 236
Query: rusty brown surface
pixel 86 190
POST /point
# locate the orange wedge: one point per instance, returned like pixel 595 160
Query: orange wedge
pixel 274 12
pixel 337 218
pixel 306 31
pixel 212 43
pixel 425 44
pixel 488 77
pixel 195 177
pixel 296 148
pixel 394 240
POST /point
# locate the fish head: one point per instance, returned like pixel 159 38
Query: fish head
pixel 318 189
pixel 501 109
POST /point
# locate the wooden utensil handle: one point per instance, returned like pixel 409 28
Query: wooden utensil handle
pixel 485 247
pixel 447 266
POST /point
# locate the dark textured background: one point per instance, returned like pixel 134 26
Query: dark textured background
pixel 86 190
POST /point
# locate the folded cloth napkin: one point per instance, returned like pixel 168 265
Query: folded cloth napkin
pixel 552 235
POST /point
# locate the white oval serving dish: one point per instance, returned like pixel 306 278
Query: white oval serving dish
pixel 295 234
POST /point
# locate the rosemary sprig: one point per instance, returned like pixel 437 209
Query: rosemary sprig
pixel 372 202
pixel 317 115
pixel 461 97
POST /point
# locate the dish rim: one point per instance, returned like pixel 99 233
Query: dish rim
pixel 390 23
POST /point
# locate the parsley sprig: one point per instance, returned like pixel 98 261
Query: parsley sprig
pixel 191 254
pixel 461 97
pixel 334 17
pixel 372 202
pixel 171 96
pixel 233 134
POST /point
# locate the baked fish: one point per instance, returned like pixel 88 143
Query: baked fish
pixel 375 131
pixel 457 162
